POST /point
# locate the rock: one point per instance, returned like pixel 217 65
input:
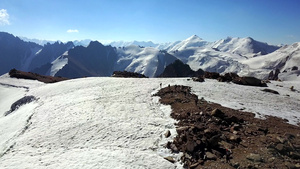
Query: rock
pixel 226 145
pixel 290 165
pixel 173 147
pixel 217 113
pixel 294 68
pixel 236 165
pixel 210 156
pixel 274 76
pixel 171 159
pixel 190 146
pixel 20 102
pixel 294 155
pixel 254 157
pixel 282 140
pixel 235 138
pixel 211 75
pixel 197 164
pixel 228 77
pixel 198 79
pixel 128 74
pixel 249 81
pixel 168 134
pixel 214 141
pixel 292 88
pixel 270 91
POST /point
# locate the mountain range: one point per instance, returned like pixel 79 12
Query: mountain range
pixel 244 56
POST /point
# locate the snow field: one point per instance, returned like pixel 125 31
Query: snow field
pixel 114 122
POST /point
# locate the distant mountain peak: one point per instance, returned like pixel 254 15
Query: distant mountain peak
pixel 194 38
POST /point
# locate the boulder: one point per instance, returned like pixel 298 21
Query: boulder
pixel 254 157
pixel 270 91
pixel 210 156
pixel 249 81
pixel 198 79
pixel 217 113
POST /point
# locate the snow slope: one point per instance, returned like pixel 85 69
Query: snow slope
pixel 58 64
pixel 112 122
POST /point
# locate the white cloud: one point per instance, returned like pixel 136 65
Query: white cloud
pixel 72 31
pixel 4 17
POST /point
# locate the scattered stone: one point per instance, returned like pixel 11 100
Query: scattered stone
pixel 292 88
pixel 217 113
pixel 198 79
pixel 190 146
pixel 170 159
pixel 235 138
pixel 210 156
pixel 254 157
pixel 270 91
pixel 167 134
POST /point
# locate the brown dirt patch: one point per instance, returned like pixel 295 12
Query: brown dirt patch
pixel 34 76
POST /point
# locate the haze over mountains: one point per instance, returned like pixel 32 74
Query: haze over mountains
pixel 244 56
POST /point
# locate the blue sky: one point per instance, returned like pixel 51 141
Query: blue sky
pixel 271 21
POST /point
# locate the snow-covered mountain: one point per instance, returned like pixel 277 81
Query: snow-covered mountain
pixel 38 41
pixel 193 41
pixel 15 53
pixel 148 61
pixel 226 55
pixel 221 56
pixel 247 47
pixel 99 60
pixel 161 46
pixel 84 42
pixel 102 122
pixel 27 56
pixel 286 59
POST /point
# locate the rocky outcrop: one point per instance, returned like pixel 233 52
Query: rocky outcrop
pixel 233 77
pixel 20 102
pixel 250 81
pixel 34 76
pixel 273 75
pixel 128 74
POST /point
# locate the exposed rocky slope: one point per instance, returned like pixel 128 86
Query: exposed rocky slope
pixel 128 74
pixel 34 76
pixel 213 136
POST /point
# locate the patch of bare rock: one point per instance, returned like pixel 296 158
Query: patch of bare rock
pixel 34 76
pixel 213 136
pixel 128 74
